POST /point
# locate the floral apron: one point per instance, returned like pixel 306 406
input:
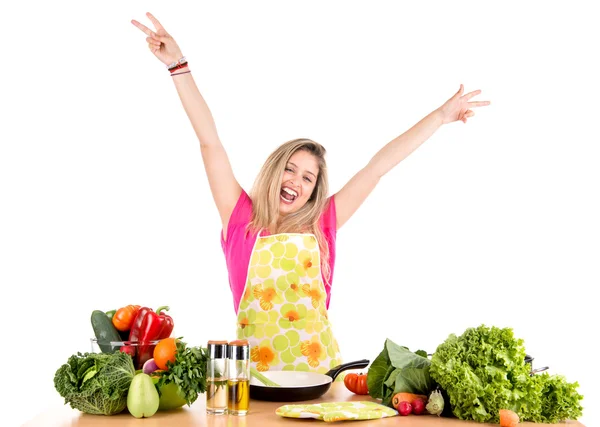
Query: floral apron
pixel 282 312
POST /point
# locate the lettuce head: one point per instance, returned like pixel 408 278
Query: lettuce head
pixel 484 370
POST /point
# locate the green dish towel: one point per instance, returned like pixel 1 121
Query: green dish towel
pixel 337 411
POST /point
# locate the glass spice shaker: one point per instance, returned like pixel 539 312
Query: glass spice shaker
pixel 238 369
pixel 216 378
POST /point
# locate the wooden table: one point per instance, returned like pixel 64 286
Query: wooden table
pixel 261 414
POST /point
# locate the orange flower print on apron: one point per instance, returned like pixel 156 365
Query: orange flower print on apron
pixel 282 313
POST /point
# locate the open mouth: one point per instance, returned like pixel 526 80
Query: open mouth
pixel 288 195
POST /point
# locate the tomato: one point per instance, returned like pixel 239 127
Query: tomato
pixel 356 383
pixel 124 317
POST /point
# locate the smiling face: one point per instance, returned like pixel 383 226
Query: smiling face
pixel 298 181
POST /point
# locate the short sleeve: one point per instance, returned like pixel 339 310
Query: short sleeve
pixel 328 218
pixel 240 216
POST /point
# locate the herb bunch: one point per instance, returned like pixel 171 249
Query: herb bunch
pixel 188 371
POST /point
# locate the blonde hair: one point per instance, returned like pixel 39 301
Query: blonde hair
pixel 266 192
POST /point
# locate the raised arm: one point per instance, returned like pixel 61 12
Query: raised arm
pixel 223 185
pixel 354 193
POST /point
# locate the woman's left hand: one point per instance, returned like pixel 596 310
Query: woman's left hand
pixel 459 107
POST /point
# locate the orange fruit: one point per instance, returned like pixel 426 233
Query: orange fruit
pixel 165 351
pixel 508 418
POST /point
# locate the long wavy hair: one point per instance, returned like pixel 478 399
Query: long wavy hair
pixel 266 192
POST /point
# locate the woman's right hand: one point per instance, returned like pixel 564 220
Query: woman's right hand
pixel 224 187
pixel 160 43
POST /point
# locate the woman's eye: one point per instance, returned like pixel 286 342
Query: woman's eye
pixel 307 179
pixel 288 170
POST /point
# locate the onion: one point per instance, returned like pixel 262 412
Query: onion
pixel 149 366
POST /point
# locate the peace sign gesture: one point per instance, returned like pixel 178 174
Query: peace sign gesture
pixel 160 43
pixel 459 107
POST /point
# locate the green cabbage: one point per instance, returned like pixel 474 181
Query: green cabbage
pixel 96 383
pixel 484 370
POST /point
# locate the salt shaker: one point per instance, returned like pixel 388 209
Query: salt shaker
pixel 216 378
pixel 238 370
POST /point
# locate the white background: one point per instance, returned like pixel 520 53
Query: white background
pixel 104 201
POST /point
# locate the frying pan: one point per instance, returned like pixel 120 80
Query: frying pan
pixel 529 359
pixel 296 386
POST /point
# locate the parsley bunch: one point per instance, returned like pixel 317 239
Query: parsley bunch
pixel 188 371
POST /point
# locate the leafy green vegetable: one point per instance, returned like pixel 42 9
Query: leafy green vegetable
pixel 484 370
pixel 378 372
pixel 421 353
pixel 188 372
pixel 260 377
pixel 95 383
pixel 397 370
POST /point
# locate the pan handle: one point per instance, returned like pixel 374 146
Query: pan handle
pixel 333 373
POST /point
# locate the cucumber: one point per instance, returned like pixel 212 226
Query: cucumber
pixel 105 331
pixel 123 334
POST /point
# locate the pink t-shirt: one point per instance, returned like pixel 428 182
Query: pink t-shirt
pixel 238 247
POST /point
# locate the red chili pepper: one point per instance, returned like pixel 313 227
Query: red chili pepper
pixel 149 326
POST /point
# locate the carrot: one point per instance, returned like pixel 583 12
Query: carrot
pixel 508 418
pixel 407 397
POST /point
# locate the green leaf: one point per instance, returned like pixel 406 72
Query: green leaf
pixel 421 353
pixel 391 377
pixel 188 371
pixel 414 380
pixel 387 397
pixel 377 373
pixel 401 357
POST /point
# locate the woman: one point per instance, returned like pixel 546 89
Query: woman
pixel 279 241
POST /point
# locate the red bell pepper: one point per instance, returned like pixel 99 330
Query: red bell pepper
pixel 149 326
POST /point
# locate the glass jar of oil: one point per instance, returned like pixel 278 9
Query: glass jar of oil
pixel 238 382
pixel 216 378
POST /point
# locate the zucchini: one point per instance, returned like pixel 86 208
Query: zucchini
pixel 105 331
